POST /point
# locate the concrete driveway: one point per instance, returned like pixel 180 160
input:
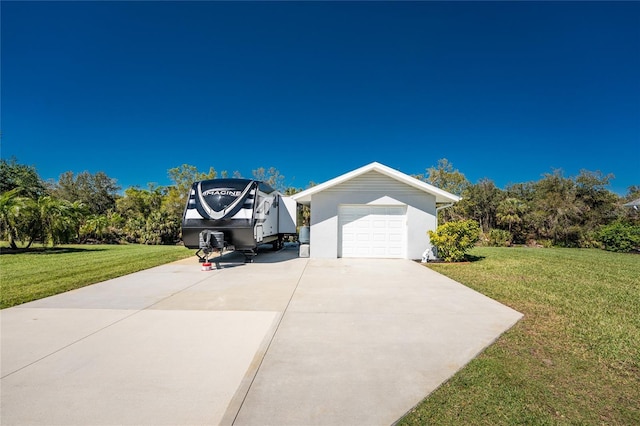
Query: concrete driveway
pixel 282 341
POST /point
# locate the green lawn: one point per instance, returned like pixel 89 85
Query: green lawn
pixel 573 359
pixel 41 272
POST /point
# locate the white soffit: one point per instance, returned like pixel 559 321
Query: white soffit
pixel 442 196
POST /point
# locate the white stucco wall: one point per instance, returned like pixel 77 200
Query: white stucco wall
pixel 371 188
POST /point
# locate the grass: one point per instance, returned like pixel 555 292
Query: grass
pixel 42 272
pixel 573 359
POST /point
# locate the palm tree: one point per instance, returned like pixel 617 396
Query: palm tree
pixel 59 219
pixel 510 212
pixel 96 226
pixel 18 218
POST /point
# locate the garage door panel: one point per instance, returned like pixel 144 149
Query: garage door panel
pixel 362 237
pixel 372 231
pixel 379 251
pixel 348 238
pixel 362 252
pixel 379 224
pixel 380 236
pixel 394 238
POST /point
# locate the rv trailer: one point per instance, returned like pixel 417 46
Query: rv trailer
pixel 236 214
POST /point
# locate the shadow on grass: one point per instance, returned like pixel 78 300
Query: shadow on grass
pixel 46 250
pixel 468 258
pixel 472 258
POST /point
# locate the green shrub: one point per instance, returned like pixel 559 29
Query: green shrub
pixel 500 238
pixel 453 239
pixel 545 243
pixel 620 237
pixel 160 228
pixel 590 239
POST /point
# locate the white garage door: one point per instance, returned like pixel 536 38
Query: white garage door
pixel 372 231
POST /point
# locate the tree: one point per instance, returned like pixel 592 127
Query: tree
pixel 526 229
pixel 95 227
pixel 148 220
pixel 18 218
pixel 509 212
pixel 134 228
pixel 633 193
pixel 271 177
pixel 103 228
pixel 183 177
pixel 597 203
pixel 143 202
pixel 160 228
pixel 59 219
pixel 29 213
pixel 556 209
pixel 21 177
pixel 445 177
pixel 98 192
pixel 49 219
pixel 480 202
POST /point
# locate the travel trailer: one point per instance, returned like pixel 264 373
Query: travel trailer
pixel 236 214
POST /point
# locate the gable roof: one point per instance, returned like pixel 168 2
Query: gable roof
pixel 635 204
pixel 441 195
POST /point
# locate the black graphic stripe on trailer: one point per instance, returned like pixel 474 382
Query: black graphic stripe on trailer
pixel 223 198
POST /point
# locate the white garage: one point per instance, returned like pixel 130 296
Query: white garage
pixel 372 231
pixel 374 211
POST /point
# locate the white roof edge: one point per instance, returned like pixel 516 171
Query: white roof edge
pixel 441 195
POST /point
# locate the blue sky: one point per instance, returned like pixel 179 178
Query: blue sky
pixel 504 90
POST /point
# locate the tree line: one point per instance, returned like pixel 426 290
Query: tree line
pixel 556 210
pixel 89 208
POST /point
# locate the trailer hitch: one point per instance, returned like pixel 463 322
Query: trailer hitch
pixel 210 242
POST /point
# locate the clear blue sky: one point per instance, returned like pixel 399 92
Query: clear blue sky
pixel 504 90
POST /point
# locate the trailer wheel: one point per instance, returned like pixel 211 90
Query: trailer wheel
pixel 277 244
